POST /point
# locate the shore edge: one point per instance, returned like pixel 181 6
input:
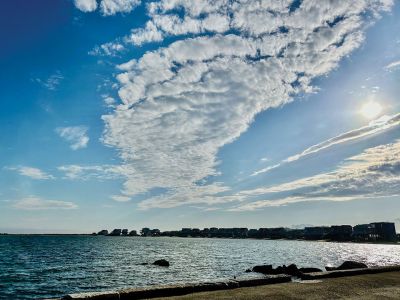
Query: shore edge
pixel 185 289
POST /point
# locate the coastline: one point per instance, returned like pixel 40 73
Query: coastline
pixel 263 284
pixel 211 238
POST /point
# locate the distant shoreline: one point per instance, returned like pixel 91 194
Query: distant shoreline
pixel 216 238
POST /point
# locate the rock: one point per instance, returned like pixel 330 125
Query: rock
pixel 161 263
pixel 248 271
pixel 310 270
pixel 269 270
pixel 264 269
pixel 143 264
pixel 348 265
pixel 291 270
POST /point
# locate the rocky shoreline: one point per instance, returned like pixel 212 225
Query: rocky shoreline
pixel 280 274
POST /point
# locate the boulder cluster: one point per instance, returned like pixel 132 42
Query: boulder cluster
pixel 293 270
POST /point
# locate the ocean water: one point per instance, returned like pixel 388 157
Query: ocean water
pixel 35 267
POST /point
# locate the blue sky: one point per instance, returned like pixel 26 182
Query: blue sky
pixel 169 114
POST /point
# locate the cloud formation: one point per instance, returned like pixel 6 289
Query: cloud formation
pixel 107 49
pixel 75 135
pixel 107 7
pixel 52 82
pixel 184 101
pixel 377 126
pixel 33 173
pixel 99 172
pixel 35 203
pixel 374 173
pixel 393 65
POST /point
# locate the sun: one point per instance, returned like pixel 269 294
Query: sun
pixel 371 110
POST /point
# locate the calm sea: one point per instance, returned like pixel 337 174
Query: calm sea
pixel 51 266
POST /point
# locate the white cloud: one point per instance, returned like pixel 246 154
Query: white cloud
pixel 107 7
pixel 33 173
pixel 374 173
pixel 393 65
pixel 35 203
pixel 52 82
pixel 107 49
pixel 99 172
pixel 111 7
pixel 109 101
pixel 381 124
pixel 120 198
pixel 183 102
pixel 86 5
pixel 75 135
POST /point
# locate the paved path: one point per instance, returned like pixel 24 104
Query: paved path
pixel 365 287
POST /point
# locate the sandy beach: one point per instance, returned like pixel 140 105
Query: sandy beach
pixel 371 286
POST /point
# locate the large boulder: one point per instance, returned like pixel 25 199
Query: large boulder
pixel 264 269
pixel 348 265
pixel 161 263
pixel 269 270
pixel 291 270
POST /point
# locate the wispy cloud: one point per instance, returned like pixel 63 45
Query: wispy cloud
pixel 107 49
pixel 33 173
pixel 52 82
pixel 374 127
pixel 374 173
pixel 393 65
pixel 99 172
pixel 120 198
pixel 75 135
pixel 36 203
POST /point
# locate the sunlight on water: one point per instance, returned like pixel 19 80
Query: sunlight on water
pixel 49 266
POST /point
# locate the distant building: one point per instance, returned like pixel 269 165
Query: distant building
pixel 252 233
pixel 295 234
pixel 340 233
pixel 315 233
pixel 145 232
pixel 103 232
pixel 115 232
pixel 240 233
pixel 277 233
pixel 385 231
pixel 155 232
pixel 185 232
pixel 363 232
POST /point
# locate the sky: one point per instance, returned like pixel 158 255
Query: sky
pixel 177 113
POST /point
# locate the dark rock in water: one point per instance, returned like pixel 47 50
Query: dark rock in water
pixel 248 271
pixel 264 269
pixel 291 270
pixel 269 270
pixel 143 264
pixel 161 263
pixel 348 265
pixel 310 270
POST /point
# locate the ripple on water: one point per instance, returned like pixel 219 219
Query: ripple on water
pixel 50 266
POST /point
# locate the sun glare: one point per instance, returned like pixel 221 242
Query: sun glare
pixel 371 110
